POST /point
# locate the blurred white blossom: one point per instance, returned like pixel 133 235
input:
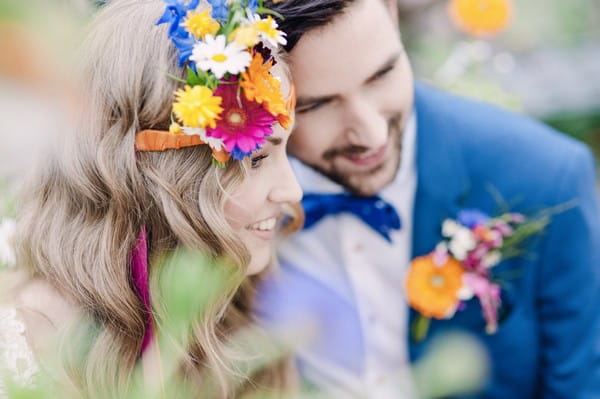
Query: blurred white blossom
pixel 463 240
pixel 492 258
pixel 449 228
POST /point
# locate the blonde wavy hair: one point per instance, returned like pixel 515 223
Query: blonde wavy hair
pixel 85 207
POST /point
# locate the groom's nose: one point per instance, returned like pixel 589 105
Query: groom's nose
pixel 365 126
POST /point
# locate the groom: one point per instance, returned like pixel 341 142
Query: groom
pixel 363 126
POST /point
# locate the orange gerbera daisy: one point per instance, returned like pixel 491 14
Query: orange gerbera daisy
pixel 481 18
pixel 432 289
pixel 261 87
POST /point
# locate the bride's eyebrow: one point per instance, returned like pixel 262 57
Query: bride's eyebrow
pixel 274 140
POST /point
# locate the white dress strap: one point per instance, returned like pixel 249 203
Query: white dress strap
pixel 16 358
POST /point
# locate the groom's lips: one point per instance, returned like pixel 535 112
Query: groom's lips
pixel 368 159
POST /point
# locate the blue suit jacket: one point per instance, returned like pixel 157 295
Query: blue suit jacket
pixel 548 345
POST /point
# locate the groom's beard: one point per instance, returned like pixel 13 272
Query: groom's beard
pixel 370 182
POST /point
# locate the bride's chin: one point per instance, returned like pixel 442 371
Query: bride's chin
pixel 260 258
pixel 255 268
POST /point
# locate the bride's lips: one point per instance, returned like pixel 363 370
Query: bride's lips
pixel 368 159
pixel 264 228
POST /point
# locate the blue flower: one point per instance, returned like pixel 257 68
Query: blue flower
pixel 472 217
pixel 174 13
pixel 185 46
pixel 219 10
pixel 176 10
pixel 238 154
pixel 253 5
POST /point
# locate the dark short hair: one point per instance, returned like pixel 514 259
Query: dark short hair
pixel 302 16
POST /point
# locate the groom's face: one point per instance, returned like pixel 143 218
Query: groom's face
pixel 355 93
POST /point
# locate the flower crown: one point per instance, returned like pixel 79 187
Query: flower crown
pixel 230 100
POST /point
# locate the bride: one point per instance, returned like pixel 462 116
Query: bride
pixel 181 144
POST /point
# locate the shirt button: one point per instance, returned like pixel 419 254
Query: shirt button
pixel 359 247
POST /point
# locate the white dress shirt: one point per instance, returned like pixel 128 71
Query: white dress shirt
pixel 350 258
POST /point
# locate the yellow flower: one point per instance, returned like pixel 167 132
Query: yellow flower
pixel 433 289
pixel 261 87
pixel 245 36
pixel 200 24
pixel 197 107
pixel 268 30
pixel 175 128
pixel 483 18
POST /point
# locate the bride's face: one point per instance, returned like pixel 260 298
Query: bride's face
pixel 254 208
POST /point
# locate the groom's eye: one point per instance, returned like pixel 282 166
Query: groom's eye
pixel 257 161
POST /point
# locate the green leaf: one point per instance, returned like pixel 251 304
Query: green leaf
pixel 266 11
pixel 420 327
pixel 196 79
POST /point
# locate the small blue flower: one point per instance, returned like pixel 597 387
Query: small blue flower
pixel 472 217
pixel 172 16
pixel 185 46
pixel 253 5
pixel 238 154
pixel 176 10
pixel 219 10
pixel 174 13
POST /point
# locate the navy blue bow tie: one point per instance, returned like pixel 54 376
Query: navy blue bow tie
pixel 378 214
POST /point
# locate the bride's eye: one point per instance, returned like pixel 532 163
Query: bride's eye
pixel 257 161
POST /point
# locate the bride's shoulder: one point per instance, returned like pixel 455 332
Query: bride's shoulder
pixel 32 313
pixel 42 310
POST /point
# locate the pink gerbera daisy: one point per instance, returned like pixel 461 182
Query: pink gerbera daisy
pixel 243 125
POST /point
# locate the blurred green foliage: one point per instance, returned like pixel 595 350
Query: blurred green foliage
pixel 189 284
pixel 584 126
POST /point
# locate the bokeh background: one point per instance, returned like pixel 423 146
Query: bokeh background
pixel 541 59
pixel 538 57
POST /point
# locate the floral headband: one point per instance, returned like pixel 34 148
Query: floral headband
pixel 230 100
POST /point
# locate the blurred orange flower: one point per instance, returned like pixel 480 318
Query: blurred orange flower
pixel 432 289
pixel 482 18
pixel 286 120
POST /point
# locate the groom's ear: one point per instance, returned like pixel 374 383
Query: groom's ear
pixel 392 6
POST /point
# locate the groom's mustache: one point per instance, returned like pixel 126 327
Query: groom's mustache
pixel 354 150
pixel 344 151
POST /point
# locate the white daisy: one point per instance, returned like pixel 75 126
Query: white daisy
pixel 214 143
pixel 216 55
pixel 7 233
pixel 268 29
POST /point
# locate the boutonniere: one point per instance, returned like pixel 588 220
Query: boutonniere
pixel 461 267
